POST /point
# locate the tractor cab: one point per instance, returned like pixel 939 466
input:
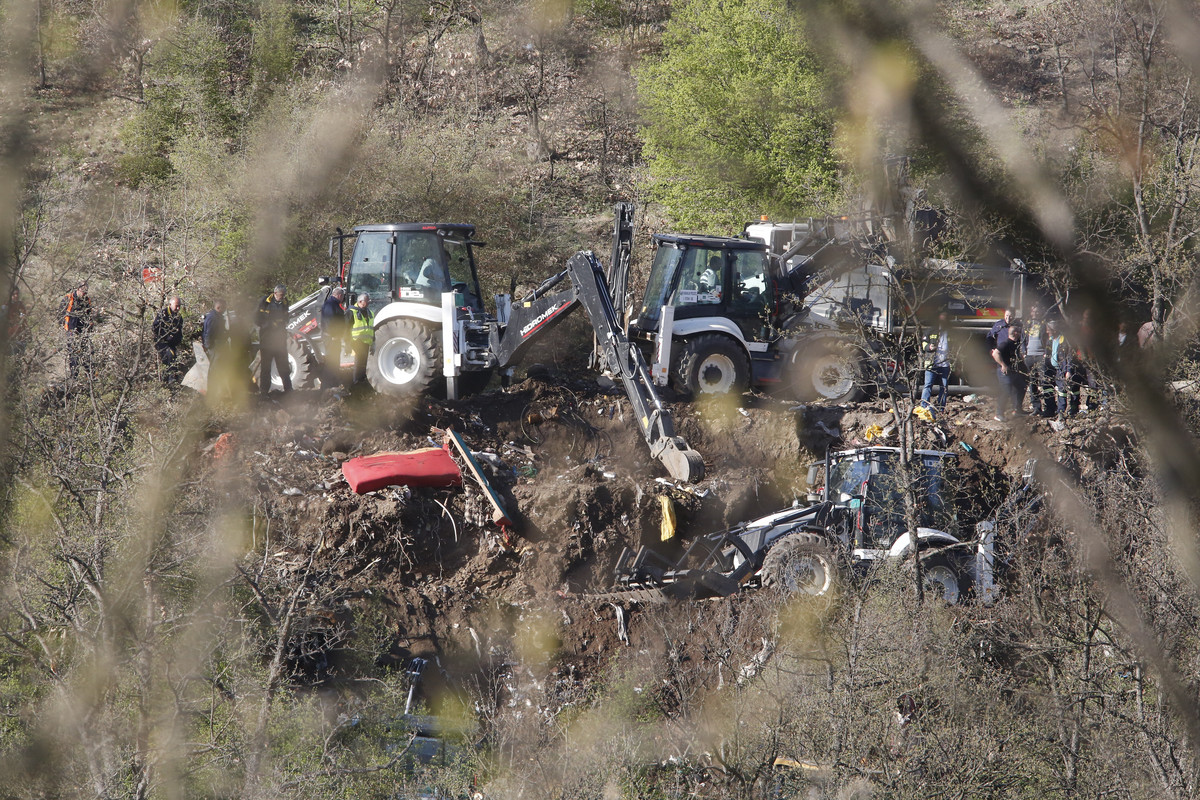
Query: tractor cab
pixel 869 483
pixel 709 276
pixel 414 263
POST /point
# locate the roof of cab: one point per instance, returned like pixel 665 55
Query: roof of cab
pixel 416 227
pixel 715 242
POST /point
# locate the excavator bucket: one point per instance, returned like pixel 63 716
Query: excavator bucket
pixel 684 463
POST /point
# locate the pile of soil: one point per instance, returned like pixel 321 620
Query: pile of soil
pixel 576 477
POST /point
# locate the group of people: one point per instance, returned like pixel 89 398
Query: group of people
pixel 1032 358
pixel 342 325
pixel 347 325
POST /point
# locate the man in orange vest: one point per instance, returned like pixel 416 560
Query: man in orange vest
pixel 78 320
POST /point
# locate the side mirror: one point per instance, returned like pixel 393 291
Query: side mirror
pixel 814 472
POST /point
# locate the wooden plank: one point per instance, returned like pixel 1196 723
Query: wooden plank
pixel 499 515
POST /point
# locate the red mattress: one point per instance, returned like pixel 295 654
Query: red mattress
pixel 431 466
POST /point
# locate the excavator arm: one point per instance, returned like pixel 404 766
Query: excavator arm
pixel 624 360
pixel 544 308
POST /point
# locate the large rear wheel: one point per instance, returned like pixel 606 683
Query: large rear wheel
pixel 801 563
pixel 712 364
pixel 830 370
pixel 407 358
pixel 943 578
pixel 302 367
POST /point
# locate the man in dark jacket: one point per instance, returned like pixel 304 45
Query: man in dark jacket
pixel 214 337
pixel 215 331
pixel 272 319
pixel 1007 355
pixel 333 330
pixel 167 330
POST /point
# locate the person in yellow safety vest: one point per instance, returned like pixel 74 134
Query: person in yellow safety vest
pixel 362 335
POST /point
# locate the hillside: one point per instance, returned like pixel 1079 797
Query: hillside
pixel 196 604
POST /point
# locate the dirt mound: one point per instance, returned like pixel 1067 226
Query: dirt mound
pixel 577 479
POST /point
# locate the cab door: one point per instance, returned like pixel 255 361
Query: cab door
pixel 751 295
pixel 370 268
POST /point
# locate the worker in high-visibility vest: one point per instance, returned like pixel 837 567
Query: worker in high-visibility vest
pixel 78 319
pixel 362 334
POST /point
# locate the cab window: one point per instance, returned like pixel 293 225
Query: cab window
pixel 370 266
pixel 421 270
pixel 658 286
pixel 750 275
pixel 701 280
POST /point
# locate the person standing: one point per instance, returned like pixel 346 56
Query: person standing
pixel 272 320
pixel 998 327
pixel 78 318
pixel 1007 354
pixel 1036 366
pixel 1057 355
pixel 214 331
pixel 167 330
pixel 1083 367
pixel 214 338
pixel 362 335
pixel 333 330
pixel 937 364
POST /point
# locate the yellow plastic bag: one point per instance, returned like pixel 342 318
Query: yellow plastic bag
pixel 667 529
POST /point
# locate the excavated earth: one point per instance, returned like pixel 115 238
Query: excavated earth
pixel 579 483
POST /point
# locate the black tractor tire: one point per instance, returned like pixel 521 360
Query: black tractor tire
pixel 407 360
pixel 943 577
pixel 302 367
pixel 802 564
pixel 712 364
pixel 827 370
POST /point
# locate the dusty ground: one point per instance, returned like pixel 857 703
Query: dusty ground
pixel 580 484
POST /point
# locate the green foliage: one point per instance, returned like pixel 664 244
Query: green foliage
pixel 735 115
pixel 273 53
pixel 186 94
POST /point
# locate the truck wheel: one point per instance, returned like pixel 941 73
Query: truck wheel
pixel 827 371
pixel 302 367
pixel 944 578
pixel 303 363
pixel 801 563
pixel 712 364
pixel 407 358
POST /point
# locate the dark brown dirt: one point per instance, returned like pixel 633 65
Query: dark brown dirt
pixel 578 480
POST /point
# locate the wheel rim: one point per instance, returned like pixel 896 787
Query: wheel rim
pixel 942 581
pixel 293 366
pixel 808 574
pixel 399 361
pixel 715 374
pixel 832 375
